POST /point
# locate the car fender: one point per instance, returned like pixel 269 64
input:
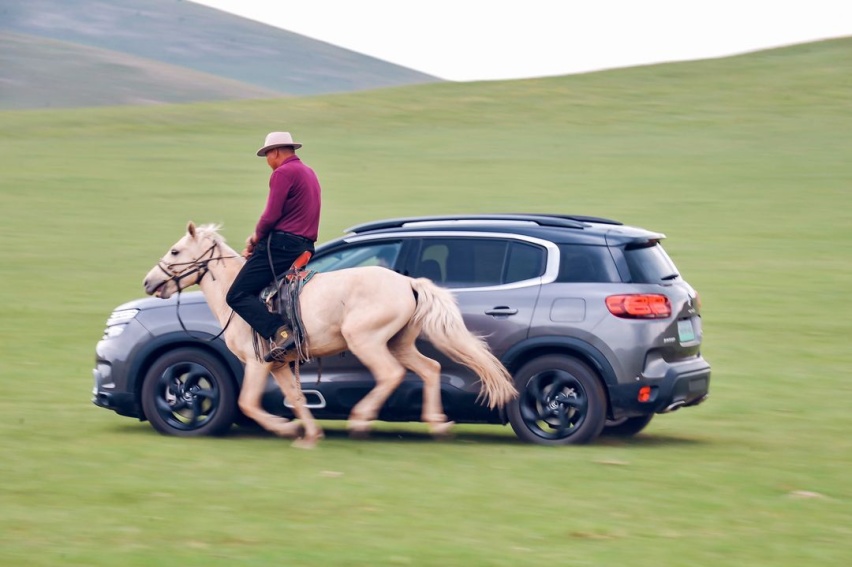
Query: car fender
pixel 154 348
pixel 529 348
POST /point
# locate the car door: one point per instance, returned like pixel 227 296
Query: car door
pixel 344 380
pixel 496 280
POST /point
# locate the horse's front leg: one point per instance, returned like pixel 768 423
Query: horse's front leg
pixel 254 383
pixel 293 392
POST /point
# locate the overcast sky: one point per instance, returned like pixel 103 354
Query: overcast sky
pixel 468 40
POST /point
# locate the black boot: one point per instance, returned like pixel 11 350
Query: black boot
pixel 282 341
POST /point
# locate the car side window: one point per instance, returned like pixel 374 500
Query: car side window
pixel 478 262
pixel 578 263
pixel 364 254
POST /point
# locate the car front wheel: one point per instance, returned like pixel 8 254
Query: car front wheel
pixel 189 393
pixel 561 402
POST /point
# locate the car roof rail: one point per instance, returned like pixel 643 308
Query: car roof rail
pixel 541 219
pixel 584 218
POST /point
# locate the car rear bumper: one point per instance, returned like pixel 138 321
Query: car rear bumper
pixel 683 384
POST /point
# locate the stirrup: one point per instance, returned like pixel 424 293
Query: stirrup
pixel 278 350
pixel 278 354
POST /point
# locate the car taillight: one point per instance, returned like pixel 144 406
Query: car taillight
pixel 639 306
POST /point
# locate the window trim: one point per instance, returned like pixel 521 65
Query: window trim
pixel 551 267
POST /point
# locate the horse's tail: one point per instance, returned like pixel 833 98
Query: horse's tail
pixel 441 322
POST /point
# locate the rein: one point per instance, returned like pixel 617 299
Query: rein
pixel 199 265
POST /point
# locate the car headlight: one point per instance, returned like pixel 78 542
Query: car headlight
pixel 117 322
pixel 121 316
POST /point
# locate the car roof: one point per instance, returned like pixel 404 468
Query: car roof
pixel 558 228
pixel 540 219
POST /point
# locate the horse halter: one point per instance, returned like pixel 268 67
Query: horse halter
pixel 199 265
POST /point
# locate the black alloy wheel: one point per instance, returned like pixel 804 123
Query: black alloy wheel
pixel 561 402
pixel 189 393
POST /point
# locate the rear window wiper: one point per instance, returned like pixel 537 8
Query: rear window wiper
pixel 670 277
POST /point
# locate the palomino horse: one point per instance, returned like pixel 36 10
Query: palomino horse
pixel 374 312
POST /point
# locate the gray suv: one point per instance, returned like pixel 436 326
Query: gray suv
pixel 590 316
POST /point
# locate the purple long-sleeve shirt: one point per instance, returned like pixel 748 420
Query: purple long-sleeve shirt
pixel 294 201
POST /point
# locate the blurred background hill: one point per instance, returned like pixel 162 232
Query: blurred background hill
pixel 67 53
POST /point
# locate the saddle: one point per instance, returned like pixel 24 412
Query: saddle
pixel 282 298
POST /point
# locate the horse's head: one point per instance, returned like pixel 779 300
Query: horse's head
pixel 185 263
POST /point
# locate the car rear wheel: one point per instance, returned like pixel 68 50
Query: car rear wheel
pixel 561 402
pixel 189 393
pixel 627 427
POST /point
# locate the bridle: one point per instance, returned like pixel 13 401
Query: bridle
pixel 197 266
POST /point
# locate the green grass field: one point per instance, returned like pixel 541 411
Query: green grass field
pixel 743 162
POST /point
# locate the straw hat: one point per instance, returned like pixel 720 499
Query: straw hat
pixel 277 140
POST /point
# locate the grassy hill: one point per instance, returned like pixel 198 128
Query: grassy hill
pixel 743 162
pixel 205 40
pixel 40 73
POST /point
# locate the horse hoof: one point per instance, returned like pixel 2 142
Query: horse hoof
pixel 308 442
pixel 358 428
pixel 442 430
pixel 303 443
pixel 290 430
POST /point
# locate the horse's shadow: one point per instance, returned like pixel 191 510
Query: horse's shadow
pixel 387 434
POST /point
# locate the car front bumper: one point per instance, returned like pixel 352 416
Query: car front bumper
pixel 106 395
pixel 111 389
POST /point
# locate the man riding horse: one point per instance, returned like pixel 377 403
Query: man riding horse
pixel 288 226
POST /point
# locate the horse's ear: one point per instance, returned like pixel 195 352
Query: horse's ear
pixel 190 228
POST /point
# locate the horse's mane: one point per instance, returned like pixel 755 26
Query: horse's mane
pixel 210 231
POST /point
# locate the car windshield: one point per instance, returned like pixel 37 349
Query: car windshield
pixel 374 254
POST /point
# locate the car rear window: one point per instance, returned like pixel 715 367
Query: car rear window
pixel 649 263
pixel 586 264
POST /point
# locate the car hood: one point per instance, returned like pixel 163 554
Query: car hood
pixel 144 303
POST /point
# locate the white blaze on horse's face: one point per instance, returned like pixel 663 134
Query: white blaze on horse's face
pixel 164 278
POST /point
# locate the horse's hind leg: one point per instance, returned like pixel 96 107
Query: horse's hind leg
pixel 404 349
pixel 388 374
pixel 293 392
pixel 251 392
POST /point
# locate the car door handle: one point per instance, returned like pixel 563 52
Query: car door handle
pixel 501 311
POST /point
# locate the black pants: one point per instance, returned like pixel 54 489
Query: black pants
pixel 257 274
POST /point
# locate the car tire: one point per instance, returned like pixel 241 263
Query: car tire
pixel 627 427
pixel 561 402
pixel 189 393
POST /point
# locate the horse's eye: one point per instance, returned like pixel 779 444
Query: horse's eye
pixel 175 252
